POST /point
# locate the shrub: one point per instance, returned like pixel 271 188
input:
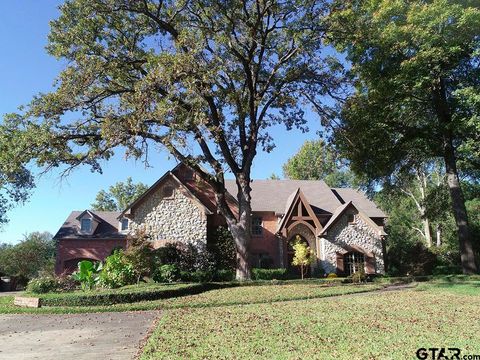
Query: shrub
pixel 268 274
pixel 446 270
pixel 224 275
pixel 66 283
pixel 117 271
pixel 139 255
pixel 332 276
pixel 166 274
pixel 358 277
pixel 42 285
pixel 221 245
pixel 188 257
pixel 87 274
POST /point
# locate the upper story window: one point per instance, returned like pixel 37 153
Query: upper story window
pixel 86 225
pixel 124 226
pixel 257 227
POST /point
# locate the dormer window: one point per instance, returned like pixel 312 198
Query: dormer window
pixel 86 225
pixel 124 226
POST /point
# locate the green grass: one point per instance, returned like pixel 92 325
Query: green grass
pixel 252 293
pixel 386 325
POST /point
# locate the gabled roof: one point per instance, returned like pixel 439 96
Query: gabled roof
pixel 363 202
pixel 91 214
pixel 106 229
pixel 339 212
pixel 159 182
pixel 294 199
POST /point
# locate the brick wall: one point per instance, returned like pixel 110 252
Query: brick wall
pixel 69 250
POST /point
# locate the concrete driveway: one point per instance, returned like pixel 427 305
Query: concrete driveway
pixel 74 336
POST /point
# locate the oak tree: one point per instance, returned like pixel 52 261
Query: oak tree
pixel 416 76
pixel 203 79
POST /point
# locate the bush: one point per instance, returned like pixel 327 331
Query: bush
pixel 221 245
pixel 117 271
pixel 66 283
pixel 268 274
pixel 139 255
pixel 166 274
pixel 358 277
pixel 446 270
pixel 42 285
pixel 121 296
pixel 224 275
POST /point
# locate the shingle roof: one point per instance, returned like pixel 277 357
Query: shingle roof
pixel 107 227
pixel 360 200
pixel 273 195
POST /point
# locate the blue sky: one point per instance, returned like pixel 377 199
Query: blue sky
pixel 25 70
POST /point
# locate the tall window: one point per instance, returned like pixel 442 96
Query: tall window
pixel 124 224
pixel 86 225
pixel 257 226
pixel 354 261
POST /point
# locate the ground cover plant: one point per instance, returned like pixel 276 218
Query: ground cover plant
pixel 385 325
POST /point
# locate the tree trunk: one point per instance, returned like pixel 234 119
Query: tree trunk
pixel 439 235
pixel 427 232
pixel 242 239
pixel 240 229
pixel 442 109
pixel 460 213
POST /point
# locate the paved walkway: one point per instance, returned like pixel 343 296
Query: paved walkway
pixel 74 336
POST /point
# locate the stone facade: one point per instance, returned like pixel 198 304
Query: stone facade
pixel 357 233
pixel 169 215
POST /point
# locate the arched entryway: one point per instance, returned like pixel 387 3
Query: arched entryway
pixel 306 235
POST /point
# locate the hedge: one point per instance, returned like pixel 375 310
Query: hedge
pixel 120 297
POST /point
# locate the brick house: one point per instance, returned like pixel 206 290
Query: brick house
pixel 342 226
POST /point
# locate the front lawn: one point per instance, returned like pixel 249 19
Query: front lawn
pixel 385 325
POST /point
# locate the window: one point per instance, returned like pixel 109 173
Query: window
pixel 86 225
pixel 124 224
pixel 167 191
pixel 354 261
pixel 257 226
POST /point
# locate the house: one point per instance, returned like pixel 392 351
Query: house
pixel 341 225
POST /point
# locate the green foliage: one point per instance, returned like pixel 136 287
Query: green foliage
pixel 318 161
pixel 269 274
pixel 27 258
pixel 416 95
pixel 188 257
pixel 48 283
pixel 358 276
pixel 222 248
pixel 167 273
pixel 125 295
pixel 139 255
pixel 117 271
pixel 16 180
pixel 87 274
pixel 118 196
pixel 166 73
pixel 303 255
pixel 42 285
